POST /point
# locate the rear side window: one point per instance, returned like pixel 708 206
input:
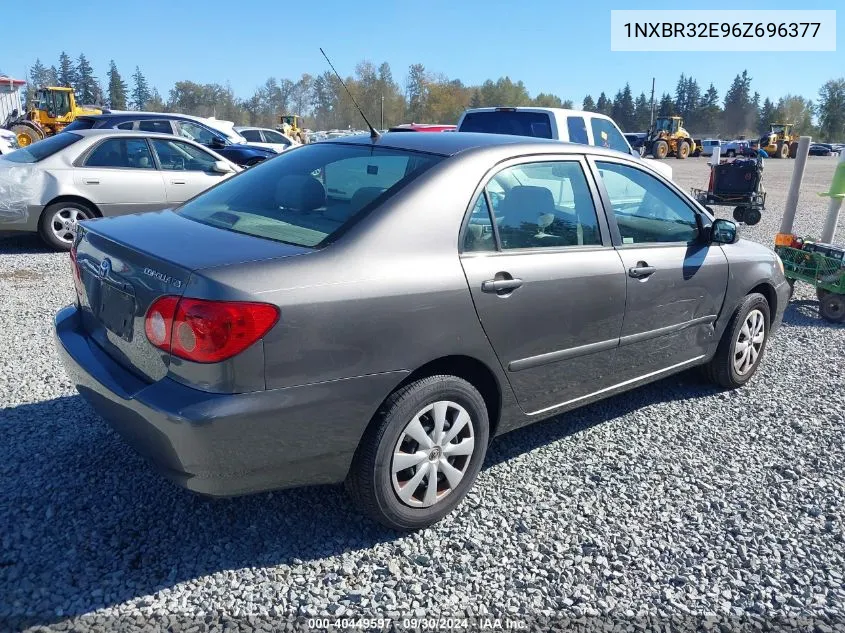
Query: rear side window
pixel 309 196
pixel 253 136
pixel 577 128
pixel 122 153
pixel 81 123
pixel 518 123
pixel 606 134
pixel 43 149
pixel 155 126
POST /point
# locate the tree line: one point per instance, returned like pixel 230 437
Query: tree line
pixel 428 97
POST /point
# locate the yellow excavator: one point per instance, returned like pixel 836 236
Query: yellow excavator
pixel 668 137
pixel 780 141
pixel 52 109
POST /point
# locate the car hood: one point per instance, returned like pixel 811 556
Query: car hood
pixel 251 148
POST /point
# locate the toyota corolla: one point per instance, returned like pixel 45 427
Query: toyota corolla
pixel 374 311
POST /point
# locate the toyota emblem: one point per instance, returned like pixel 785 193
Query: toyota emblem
pixel 105 267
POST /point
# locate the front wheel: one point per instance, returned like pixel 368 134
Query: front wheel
pixel 683 150
pixel 743 343
pixel 660 149
pixel 421 453
pixel 832 307
pixel 58 222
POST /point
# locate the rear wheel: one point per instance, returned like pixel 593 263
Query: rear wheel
pixel 57 225
pixel 421 454
pixel 739 213
pixel 782 150
pixel 660 149
pixel 683 150
pixel 832 307
pixel 743 343
pixel 752 216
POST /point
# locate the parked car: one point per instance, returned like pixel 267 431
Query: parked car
pixel 637 141
pixel 422 127
pixel 181 125
pixel 736 148
pixel 356 310
pixel 50 186
pixel 264 137
pixel 821 149
pixel 708 145
pixel 573 126
pixel 8 141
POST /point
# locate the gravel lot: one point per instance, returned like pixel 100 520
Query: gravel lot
pixel 672 501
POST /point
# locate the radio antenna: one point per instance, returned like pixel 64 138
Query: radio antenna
pixel 373 132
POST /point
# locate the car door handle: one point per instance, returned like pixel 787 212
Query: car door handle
pixel 177 182
pixel 641 270
pixel 499 285
pixel 92 181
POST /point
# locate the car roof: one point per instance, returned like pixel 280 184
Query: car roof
pixel 555 111
pixel 457 142
pixel 116 132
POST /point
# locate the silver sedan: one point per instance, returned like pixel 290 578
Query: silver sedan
pixel 51 185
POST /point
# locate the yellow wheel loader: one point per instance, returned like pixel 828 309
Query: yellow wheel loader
pixel 668 137
pixel 53 108
pixel 780 141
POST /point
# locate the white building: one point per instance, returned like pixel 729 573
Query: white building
pixel 10 96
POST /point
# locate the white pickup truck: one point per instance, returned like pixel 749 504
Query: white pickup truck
pixel 573 126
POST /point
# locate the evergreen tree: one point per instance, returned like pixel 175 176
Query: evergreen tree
pixel 623 109
pixel 739 108
pixel 117 89
pixel 709 112
pixel 87 88
pixel 666 106
pixel 38 75
pixel 642 113
pixel 589 105
pixel 832 109
pixel 52 76
pixel 603 105
pixel 140 90
pixel 768 114
pixel 67 71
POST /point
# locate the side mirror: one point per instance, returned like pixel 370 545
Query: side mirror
pixel 217 142
pixel 724 232
pixel 222 167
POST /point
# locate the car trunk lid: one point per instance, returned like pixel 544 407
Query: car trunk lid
pixel 124 264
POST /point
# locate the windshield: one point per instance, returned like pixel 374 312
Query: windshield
pixel 305 197
pixel 42 149
pixel 519 123
pixel 81 123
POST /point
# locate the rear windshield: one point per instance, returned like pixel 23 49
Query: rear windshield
pixel 42 149
pixel 518 123
pixel 306 196
pixel 81 123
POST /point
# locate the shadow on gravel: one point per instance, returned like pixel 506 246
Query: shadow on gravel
pixel 14 243
pixel 86 523
pixel 805 312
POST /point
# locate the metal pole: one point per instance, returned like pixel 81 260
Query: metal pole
pixel 795 186
pixel 382 112
pixel 833 208
pixel 651 122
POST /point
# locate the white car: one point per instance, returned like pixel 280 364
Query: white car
pixel 51 185
pixel 265 137
pixel 8 142
pixel 572 126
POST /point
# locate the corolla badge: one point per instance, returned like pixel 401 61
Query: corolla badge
pixel 162 277
pixel 105 267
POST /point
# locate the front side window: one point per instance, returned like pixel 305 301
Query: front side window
pixel 181 156
pixel 309 196
pixel 197 133
pixel 42 149
pixel 544 205
pixel 121 153
pixel 646 210
pixel 275 137
pixel 606 134
pixel 577 128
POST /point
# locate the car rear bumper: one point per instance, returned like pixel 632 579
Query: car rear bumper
pixel 226 444
pixel 784 293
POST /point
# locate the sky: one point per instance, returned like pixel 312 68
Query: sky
pixel 557 46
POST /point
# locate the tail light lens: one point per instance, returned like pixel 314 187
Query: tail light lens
pixel 207 331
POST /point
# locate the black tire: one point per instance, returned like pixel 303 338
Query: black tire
pixel 821 293
pixel 782 150
pixel 752 216
pixel 721 369
pixel 660 149
pixel 683 150
pixel 52 214
pixel 370 481
pixel 832 307
pixel 27 134
pixel 739 213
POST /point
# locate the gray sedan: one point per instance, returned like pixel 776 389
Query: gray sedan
pixel 375 311
pixel 51 185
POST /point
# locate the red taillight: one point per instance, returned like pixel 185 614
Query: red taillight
pixel 207 331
